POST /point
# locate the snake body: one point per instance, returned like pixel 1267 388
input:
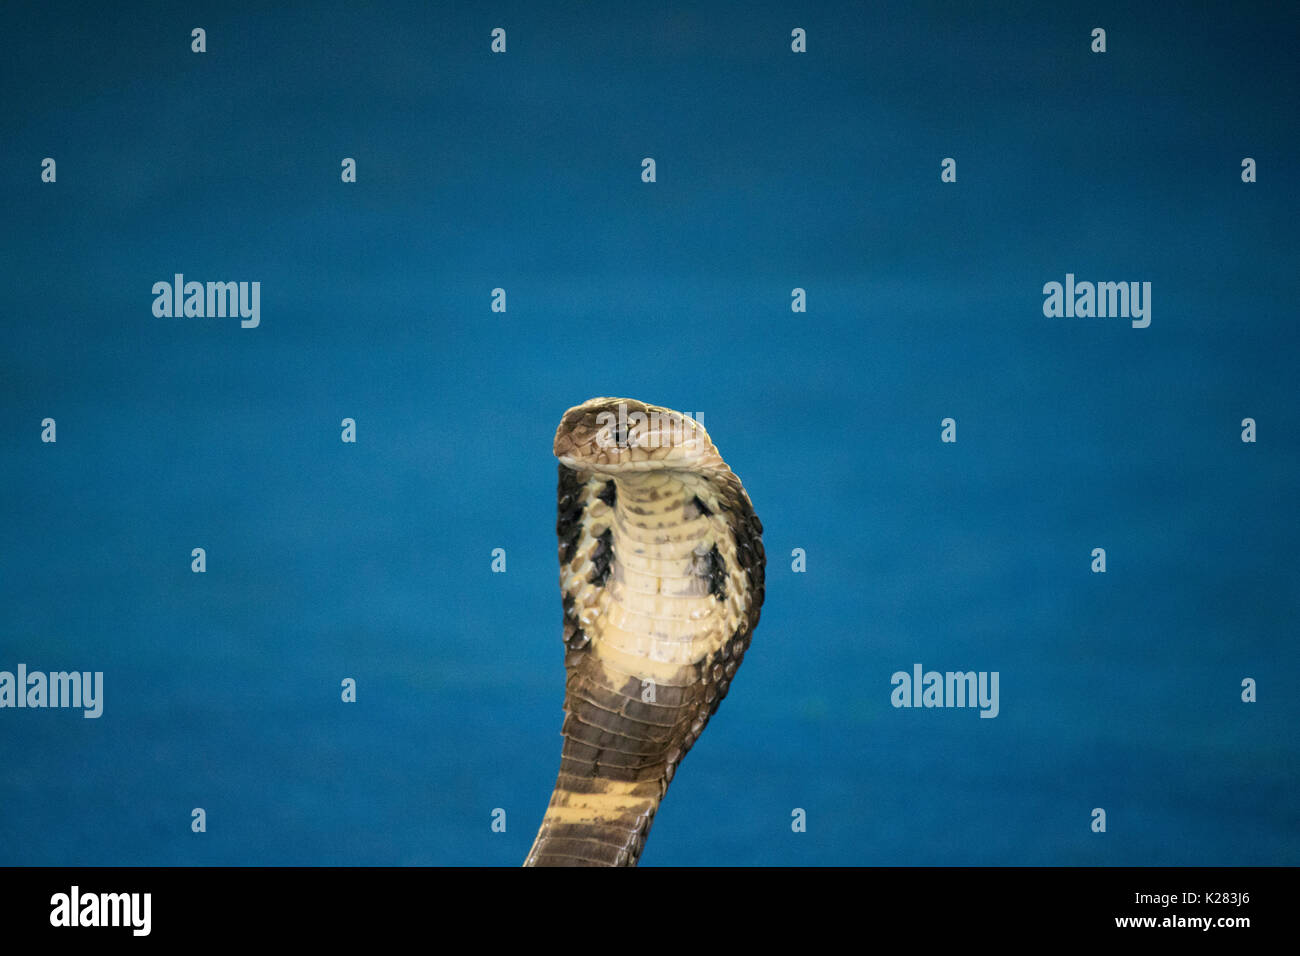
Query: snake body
pixel 661 577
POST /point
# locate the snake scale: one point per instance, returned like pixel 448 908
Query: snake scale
pixel 661 577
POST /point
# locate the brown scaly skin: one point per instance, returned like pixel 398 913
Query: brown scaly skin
pixel 661 576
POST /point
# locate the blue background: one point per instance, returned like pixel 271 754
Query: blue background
pixel 775 170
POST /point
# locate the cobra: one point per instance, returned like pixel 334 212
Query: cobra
pixel 661 578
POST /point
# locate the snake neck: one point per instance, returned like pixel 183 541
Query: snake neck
pixel 647 608
pixel 659 608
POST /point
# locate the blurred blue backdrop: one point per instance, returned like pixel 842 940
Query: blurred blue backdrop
pixel 775 170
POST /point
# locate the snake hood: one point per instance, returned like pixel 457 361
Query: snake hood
pixel 661 580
